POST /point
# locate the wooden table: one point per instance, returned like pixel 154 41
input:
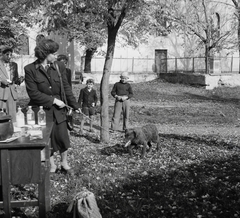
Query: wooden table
pixel 20 163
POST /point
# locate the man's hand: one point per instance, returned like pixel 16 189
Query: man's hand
pixel 119 98
pixel 5 82
pixel 78 110
pixel 59 103
pixel 21 79
pixel 124 98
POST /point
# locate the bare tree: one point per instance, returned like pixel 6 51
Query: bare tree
pixel 197 17
pixel 237 5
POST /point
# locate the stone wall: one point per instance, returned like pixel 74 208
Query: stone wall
pixel 209 81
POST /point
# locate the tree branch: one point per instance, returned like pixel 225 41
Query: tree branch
pixel 235 3
pixel 122 15
pixel 187 26
pixel 217 41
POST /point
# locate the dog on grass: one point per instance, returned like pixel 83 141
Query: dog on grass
pixel 142 137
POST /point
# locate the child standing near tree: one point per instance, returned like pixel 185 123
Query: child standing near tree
pixel 88 101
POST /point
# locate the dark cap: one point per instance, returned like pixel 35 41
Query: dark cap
pixel 90 81
pixel 5 49
pixel 62 57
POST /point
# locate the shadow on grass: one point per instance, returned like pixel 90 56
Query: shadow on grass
pixel 206 189
pixel 210 189
pixel 209 141
pixel 216 98
pixel 117 149
pixel 59 211
pixel 92 137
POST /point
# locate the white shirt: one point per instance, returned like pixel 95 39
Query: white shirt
pixel 7 67
pixel 46 65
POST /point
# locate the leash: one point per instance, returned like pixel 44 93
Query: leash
pixel 65 100
pixel 70 108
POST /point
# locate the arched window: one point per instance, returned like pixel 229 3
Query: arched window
pixel 24 44
pixel 39 38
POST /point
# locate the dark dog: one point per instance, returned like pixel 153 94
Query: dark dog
pixel 142 136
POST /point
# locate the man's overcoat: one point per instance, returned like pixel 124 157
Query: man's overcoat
pixel 10 90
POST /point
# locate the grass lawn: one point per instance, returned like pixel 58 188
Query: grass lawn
pixel 196 172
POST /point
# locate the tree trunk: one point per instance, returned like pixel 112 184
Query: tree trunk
pixel 207 58
pixel 113 25
pixel 88 58
pixel 239 34
pixel 104 86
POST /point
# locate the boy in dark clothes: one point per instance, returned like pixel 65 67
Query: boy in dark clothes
pixel 88 100
pixel 122 92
